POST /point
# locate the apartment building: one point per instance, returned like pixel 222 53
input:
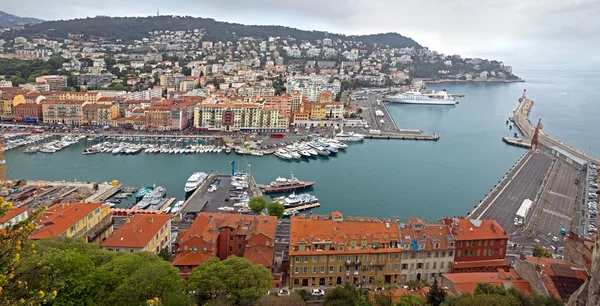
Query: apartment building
pixel 36 86
pixel 63 112
pixel 89 221
pixel 8 103
pixel 14 215
pixel 170 79
pixel 480 245
pixel 99 114
pixel 239 117
pixel 224 235
pixel 29 112
pixel 427 250
pixel 170 115
pixel 312 86
pixel 148 94
pixel 282 103
pixel 331 250
pixel 141 232
pixel 55 82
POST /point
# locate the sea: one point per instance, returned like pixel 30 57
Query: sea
pixel 379 178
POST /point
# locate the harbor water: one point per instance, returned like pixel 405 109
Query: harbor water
pixel 381 178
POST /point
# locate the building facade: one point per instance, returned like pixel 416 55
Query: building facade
pixel 89 221
pixel 141 232
pixel 239 117
pixel 14 215
pixel 55 82
pixel 99 114
pixel 480 245
pixel 29 112
pixel 63 112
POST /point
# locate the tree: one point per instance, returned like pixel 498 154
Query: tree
pixel 487 300
pixel 133 279
pixel 275 209
pixel 304 294
pixel 415 284
pixel 164 254
pixel 13 247
pixel 540 251
pixel 410 300
pixel 436 294
pixel 257 204
pixel 342 296
pixel 235 278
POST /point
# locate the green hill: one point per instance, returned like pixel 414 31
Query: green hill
pixel 130 28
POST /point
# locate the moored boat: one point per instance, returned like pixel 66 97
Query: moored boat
pixel 282 184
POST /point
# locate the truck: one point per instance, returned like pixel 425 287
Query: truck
pixel 523 212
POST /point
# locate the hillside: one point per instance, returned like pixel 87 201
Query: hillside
pixel 130 28
pixel 9 20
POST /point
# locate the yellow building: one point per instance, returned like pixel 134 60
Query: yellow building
pixel 63 112
pixel 239 117
pixel 89 221
pixel 302 114
pixel 99 114
pixel 318 111
pixel 325 96
pixel 9 101
pixel 141 232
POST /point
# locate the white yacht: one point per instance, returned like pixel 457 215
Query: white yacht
pixel 416 97
pixel 336 144
pixel 294 154
pixel 194 181
pixel 283 154
pixel 349 136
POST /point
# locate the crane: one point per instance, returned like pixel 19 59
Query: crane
pixel 534 139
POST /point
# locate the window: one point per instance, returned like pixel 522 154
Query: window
pixel 330 269
pixel 426 265
pixel 363 244
pixel 185 247
pixel 305 270
pixel 97 210
pixel 428 254
pixel 404 266
pixel 195 248
pixel 437 254
pixel 382 257
pixel 435 265
pixel 315 258
pixel 296 270
pixel 396 266
pixel 478 242
pixel 441 265
pixel 373 257
pixel 450 253
pixel 420 266
pixel 388 267
pixel 478 252
pixel 485 242
pixel 305 258
pixel 315 269
pixel 501 242
pixel 340 269
pixel 231 238
pixel 458 244
pixel 501 250
pixel 332 258
pixel 340 258
pixel 458 253
pixel 297 259
pixel 323 258
pixel 436 245
pixel 406 246
pixel 412 266
pixel 353 244
pixel 230 249
pixel 341 248
pixel 322 269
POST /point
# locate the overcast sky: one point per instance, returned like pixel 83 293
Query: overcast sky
pixel 514 31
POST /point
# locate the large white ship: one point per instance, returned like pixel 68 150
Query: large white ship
pixel 416 97
pixel 195 181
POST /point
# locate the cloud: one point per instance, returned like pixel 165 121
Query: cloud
pixel 548 29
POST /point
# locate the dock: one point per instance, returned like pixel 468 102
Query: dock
pixel 516 142
pixel 303 207
pixel 405 137
pixel 167 204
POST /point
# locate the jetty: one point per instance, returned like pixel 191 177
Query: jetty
pixel 520 118
pixel 517 142
pixel 303 207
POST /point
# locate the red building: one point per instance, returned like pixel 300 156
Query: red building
pixel 480 245
pixel 29 112
pixel 224 235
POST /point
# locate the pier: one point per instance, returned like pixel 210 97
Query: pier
pixel 517 142
pixel 303 207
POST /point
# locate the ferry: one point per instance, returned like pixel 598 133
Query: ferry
pixel 416 97
pixel 282 184
pixel 348 137
pixel 294 200
pixel 194 181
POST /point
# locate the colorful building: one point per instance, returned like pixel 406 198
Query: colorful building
pixel 141 232
pixel 224 235
pixel 99 114
pixel 89 221
pixel 29 112
pixel 14 215
pixel 9 101
pixel 63 112
pixel 480 245
pixel 239 117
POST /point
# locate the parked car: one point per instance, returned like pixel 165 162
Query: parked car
pixel 283 292
pixel 555 239
pixel 317 292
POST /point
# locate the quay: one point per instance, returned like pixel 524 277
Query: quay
pixel 377 116
pixel 517 142
pixel 303 207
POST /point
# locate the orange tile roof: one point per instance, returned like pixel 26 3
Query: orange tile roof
pixel 322 228
pixel 97 106
pixel 13 212
pixel 481 263
pixel 192 258
pixel 60 217
pixel 137 232
pixel 467 282
pixel 229 105
pixel 204 227
pixel 74 102
pixel 561 278
pixel 470 229
pixel 28 105
pixel 427 233
pixel 260 254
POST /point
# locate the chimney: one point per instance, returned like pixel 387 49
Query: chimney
pixel 128 220
pixel 151 220
pixel 139 229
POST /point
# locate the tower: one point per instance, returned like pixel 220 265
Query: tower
pixel 534 139
pixel 3 176
pixel 157 13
